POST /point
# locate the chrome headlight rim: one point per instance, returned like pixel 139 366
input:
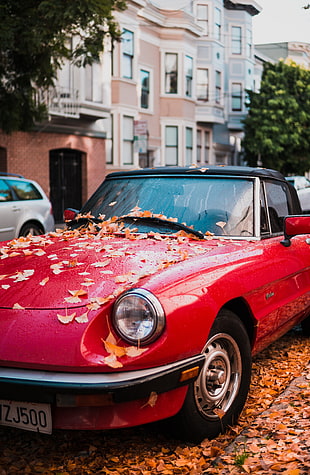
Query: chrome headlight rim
pixel 157 310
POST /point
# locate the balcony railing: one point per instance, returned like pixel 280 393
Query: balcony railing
pixel 60 101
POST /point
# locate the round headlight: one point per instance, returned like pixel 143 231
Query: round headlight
pixel 138 316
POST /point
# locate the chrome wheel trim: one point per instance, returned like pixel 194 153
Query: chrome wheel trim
pixel 218 383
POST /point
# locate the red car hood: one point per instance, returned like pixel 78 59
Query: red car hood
pixel 49 281
pixel 61 272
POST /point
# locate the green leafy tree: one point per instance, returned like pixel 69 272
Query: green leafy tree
pixel 277 127
pixel 34 42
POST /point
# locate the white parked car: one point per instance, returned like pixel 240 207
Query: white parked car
pixel 302 185
pixel 24 208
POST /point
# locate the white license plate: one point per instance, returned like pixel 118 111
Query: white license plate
pixel 26 415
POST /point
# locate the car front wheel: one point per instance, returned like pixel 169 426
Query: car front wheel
pixel 215 400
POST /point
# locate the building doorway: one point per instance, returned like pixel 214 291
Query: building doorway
pixel 65 180
pixel 3 160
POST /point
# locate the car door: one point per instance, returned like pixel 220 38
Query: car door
pixel 288 292
pixel 9 212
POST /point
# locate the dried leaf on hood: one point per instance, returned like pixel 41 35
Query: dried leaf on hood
pixel 133 351
pixel 66 318
pixel 39 252
pixel 112 361
pixel 75 296
pixel 44 281
pixel 111 338
pixel 21 276
pixel 115 350
pixel 16 306
pixel 88 282
pixel 82 318
pixel 102 263
pixel 57 268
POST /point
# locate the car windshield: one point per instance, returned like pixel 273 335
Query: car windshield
pixel 221 206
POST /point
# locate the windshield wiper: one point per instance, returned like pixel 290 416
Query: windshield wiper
pixel 149 220
pixel 83 222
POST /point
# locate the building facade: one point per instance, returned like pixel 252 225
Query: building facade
pixel 172 92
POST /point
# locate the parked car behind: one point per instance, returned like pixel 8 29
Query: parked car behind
pixel 24 208
pixel 302 185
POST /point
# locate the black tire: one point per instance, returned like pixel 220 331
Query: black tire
pixel 215 400
pixel 31 228
pixel 305 325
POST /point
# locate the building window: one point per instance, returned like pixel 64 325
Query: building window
pixel 202 18
pixel 249 43
pixel 198 146
pixel 189 146
pixel 202 84
pixel 203 147
pixel 171 73
pixel 188 76
pixel 236 96
pixel 93 91
pixel 171 145
pixel 128 140
pixel 217 24
pixel 218 87
pixel 236 40
pixel 128 52
pixel 207 147
pixel 145 89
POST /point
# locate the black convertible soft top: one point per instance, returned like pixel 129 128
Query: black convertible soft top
pixel 218 170
pixel 208 170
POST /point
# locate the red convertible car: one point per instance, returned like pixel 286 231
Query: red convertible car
pixel 151 302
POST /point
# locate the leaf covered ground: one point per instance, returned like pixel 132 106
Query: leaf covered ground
pixel 271 437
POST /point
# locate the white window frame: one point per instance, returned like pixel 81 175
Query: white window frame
pixel 203 147
pixel 249 43
pixel 175 146
pixel 128 54
pixel 189 145
pixel 189 75
pixel 203 21
pixel 166 73
pixel 236 40
pixel 236 95
pixel 218 24
pixel 150 93
pixel 200 85
pixel 128 141
pixel 218 87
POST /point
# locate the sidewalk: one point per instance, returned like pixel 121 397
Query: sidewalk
pixel 278 441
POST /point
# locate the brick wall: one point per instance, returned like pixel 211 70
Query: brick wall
pixel 28 154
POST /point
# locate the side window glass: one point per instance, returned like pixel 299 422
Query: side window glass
pixel 5 192
pixel 25 190
pixel 264 226
pixel 277 205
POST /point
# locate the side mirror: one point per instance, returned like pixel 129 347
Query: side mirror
pixel 70 214
pixel 294 226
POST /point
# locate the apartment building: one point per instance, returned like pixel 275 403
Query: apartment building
pixel 172 92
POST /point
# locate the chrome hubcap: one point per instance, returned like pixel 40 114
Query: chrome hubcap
pixel 219 379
